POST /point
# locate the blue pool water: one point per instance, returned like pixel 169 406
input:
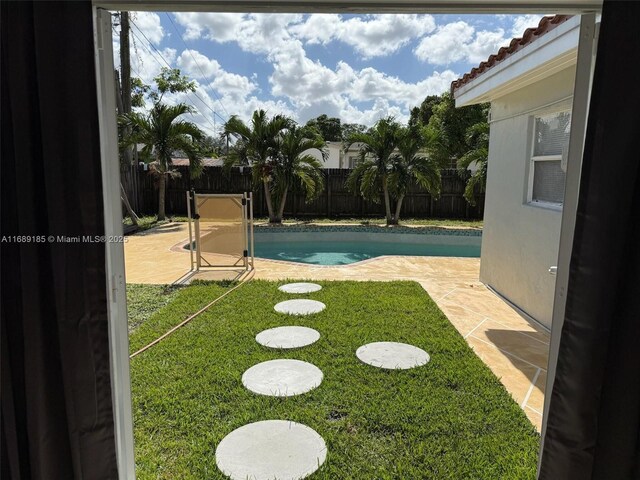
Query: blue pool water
pixel 322 246
pixel 343 253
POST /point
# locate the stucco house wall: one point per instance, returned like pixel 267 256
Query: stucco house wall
pixel 334 157
pixel 533 76
pixel 520 240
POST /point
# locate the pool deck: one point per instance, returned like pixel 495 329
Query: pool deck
pixel 515 349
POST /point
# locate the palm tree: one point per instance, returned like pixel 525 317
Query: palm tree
pixel 297 168
pixel 370 177
pixel 478 137
pixel 274 148
pixel 410 163
pixel 257 146
pixel 161 133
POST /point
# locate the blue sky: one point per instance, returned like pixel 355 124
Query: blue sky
pixel 355 67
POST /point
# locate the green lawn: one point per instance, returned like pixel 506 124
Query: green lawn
pixel 145 300
pixel 145 222
pixel 451 419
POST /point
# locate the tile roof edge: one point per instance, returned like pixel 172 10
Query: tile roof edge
pixel 546 24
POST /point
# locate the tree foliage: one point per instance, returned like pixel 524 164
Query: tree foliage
pixel 212 147
pixel 456 136
pixel 348 129
pixel 139 90
pixel 276 149
pixel 450 125
pixel 161 133
pixel 477 156
pixel 329 127
pixel 422 114
pixel 392 157
pixel 169 80
pixel 411 163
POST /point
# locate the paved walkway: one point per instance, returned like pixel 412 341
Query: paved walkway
pixel 513 348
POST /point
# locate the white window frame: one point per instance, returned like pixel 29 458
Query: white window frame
pixel 542 158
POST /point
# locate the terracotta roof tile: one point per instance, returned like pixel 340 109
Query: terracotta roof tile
pixel 530 35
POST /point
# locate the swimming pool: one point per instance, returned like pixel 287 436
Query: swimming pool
pixel 342 245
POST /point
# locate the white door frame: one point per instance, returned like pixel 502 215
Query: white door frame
pixel 579 116
pixel 116 294
pixel 118 332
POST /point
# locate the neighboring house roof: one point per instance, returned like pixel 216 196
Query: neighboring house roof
pixel 206 162
pixel 546 25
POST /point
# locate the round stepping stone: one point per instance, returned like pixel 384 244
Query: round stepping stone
pixel 271 449
pixel 392 355
pixel 282 378
pixel 300 288
pixel 287 337
pixel 299 307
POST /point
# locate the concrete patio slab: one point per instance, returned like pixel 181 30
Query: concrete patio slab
pixel 301 287
pixel 271 449
pixel 288 337
pixel 282 378
pixel 392 355
pixel 300 306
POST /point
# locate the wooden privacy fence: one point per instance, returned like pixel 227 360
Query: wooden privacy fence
pixel 335 200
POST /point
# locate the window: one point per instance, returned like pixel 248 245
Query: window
pixel 352 161
pixel 549 159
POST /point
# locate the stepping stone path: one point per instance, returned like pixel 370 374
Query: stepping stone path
pixel 299 307
pixel 278 449
pixel 287 337
pixel 272 449
pixel 282 378
pixel 300 288
pixel 392 355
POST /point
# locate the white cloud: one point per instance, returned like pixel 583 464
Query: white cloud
pixel 215 26
pixel 318 28
pixel 380 109
pixel 304 81
pixel 370 36
pixel 459 41
pixel 302 87
pixel 522 22
pixel 149 24
pixel 374 85
pixel 232 84
pixel 147 63
pixel 447 45
pixel 484 44
pixel 256 33
pixel 264 33
pixel 196 65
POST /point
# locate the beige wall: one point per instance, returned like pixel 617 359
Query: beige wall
pixel 334 155
pixel 520 241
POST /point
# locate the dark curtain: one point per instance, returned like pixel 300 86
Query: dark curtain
pixel 57 418
pixel 594 416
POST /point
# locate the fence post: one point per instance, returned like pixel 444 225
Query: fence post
pixel 294 200
pixel 328 180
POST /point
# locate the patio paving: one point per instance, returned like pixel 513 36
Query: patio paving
pixel 513 348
